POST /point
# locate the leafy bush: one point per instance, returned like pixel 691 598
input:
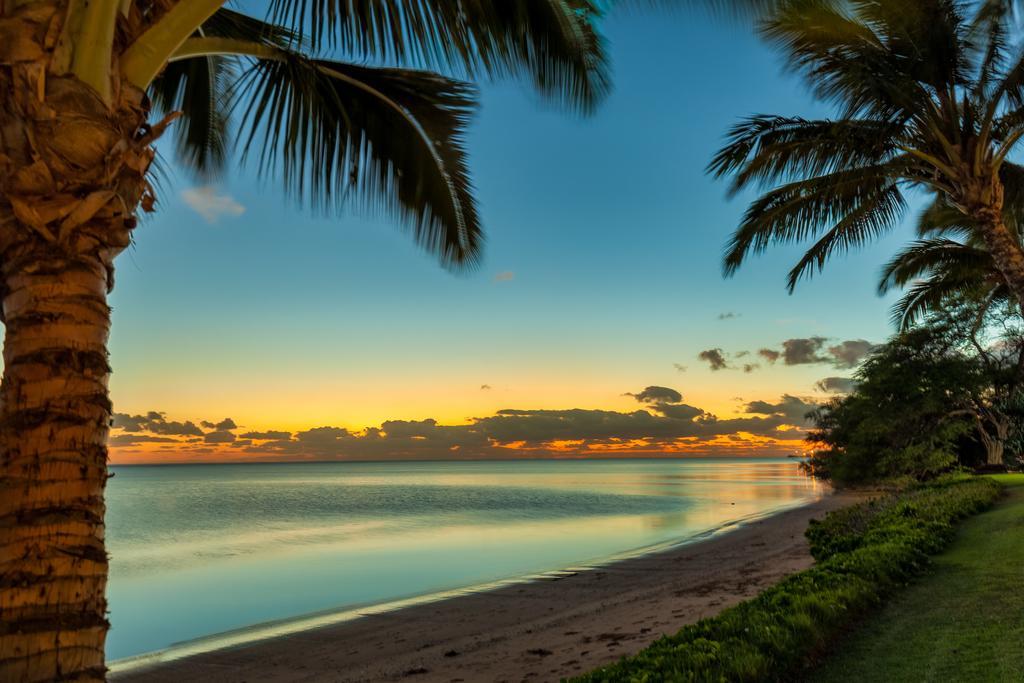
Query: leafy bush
pixel 910 408
pixel 864 552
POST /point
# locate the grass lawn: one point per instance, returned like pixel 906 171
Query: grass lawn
pixel 962 622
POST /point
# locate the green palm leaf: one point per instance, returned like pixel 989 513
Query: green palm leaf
pixel 199 89
pixel 384 137
pixel 554 43
pixel 196 88
pixel 389 138
pixel 798 211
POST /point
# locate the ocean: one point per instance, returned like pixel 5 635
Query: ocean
pixel 201 550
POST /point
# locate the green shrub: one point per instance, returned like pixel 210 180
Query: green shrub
pixel 864 552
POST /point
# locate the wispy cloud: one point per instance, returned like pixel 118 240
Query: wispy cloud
pixel 505 276
pixel 210 204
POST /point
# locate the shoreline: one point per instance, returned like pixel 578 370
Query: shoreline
pixel 540 627
pixel 268 630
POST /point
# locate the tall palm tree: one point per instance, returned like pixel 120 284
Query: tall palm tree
pixel 86 89
pixel 925 99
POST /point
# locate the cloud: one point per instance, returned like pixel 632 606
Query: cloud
pixel 505 276
pixel 156 423
pixel 485 387
pixel 679 368
pixel 667 402
pixel 130 439
pixel 714 357
pixel 226 424
pixel 664 425
pixel 655 394
pixel 219 437
pixel 210 205
pixel 265 436
pixel 836 385
pixel 810 350
pixel 803 351
pixel 679 411
pixel 750 367
pixel 728 315
pixel 602 426
pixel 790 407
pixel 850 353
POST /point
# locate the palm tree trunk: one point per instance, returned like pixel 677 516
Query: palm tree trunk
pixel 54 419
pixel 1006 252
pixel 72 172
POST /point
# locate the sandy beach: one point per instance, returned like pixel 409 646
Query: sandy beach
pixel 538 631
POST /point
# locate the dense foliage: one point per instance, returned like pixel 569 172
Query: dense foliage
pixel 864 553
pixel 961 622
pixel 909 408
pixel 948 390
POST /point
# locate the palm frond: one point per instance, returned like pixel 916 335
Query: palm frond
pixel 199 88
pixel 390 138
pixel 1011 85
pixel 942 218
pixel 926 258
pixel 797 211
pixel 988 39
pixel 926 296
pixel 847 58
pixel 226 23
pixel 554 43
pixel 196 87
pixel 873 217
pixel 767 149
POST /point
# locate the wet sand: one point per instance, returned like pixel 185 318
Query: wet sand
pixel 539 631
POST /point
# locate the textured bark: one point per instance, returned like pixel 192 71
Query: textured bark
pixel 983 198
pixel 1006 252
pixel 993 430
pixel 72 172
pixel 995 448
pixel 54 419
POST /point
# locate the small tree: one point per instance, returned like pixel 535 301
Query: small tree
pixel 992 339
pixel 911 404
pixel 957 376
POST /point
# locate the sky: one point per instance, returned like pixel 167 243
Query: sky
pixel 245 327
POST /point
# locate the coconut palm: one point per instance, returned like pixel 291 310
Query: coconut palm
pixel 925 99
pixel 86 89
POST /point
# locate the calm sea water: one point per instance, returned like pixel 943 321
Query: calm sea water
pixel 200 550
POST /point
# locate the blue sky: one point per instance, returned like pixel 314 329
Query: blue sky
pixel 606 231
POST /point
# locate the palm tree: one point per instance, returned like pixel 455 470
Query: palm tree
pixel 925 99
pixel 86 89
